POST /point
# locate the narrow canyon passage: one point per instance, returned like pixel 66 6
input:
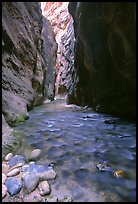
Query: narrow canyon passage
pixel 68 91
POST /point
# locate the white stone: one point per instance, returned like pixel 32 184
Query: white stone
pixel 4 190
pixel 3 178
pixel 17 166
pixel 44 188
pixel 8 156
pixel 13 172
pixel 35 154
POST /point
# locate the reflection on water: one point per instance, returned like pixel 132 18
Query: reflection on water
pixel 76 139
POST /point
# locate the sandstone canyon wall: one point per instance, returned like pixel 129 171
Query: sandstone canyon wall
pixel 27 49
pixel 105 57
pixel 62 24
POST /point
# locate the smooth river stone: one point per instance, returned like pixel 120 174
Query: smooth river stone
pixel 4 190
pixel 44 188
pixel 3 178
pixel 43 172
pixel 13 172
pixel 35 154
pixel 8 156
pixel 13 185
pixel 30 180
pixel 16 160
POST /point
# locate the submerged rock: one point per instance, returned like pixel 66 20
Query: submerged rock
pixel 119 173
pixel 13 185
pixel 103 167
pixel 35 154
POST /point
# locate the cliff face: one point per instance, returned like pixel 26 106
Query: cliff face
pixel 62 24
pixel 105 54
pixel 27 49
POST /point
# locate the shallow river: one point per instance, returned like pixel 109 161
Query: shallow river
pixel 76 139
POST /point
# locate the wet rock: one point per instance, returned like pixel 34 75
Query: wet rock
pixel 43 172
pixel 30 180
pixel 44 188
pixel 110 122
pixel 103 167
pixel 13 172
pixel 35 154
pixel 4 190
pixel 66 199
pixel 13 185
pixel 120 174
pixel 8 156
pixel 87 116
pixel 52 164
pixel 3 178
pixel 16 159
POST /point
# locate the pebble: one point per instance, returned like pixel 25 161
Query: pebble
pixel 13 185
pixel 13 172
pixel 17 166
pixel 5 168
pixel 35 154
pixel 44 188
pixel 8 156
pixel 30 180
pixel 3 178
pixel 4 190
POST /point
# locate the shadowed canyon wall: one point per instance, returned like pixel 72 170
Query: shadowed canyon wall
pixel 62 24
pixel 28 60
pixel 105 57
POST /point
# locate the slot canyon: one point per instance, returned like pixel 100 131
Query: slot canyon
pixel 69 95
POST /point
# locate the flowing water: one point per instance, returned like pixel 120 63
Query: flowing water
pixel 76 139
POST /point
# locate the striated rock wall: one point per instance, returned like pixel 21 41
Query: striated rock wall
pixel 105 55
pixel 49 55
pixel 62 24
pixel 27 49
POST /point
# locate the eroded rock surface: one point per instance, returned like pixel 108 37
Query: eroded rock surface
pixel 26 52
pixel 105 57
pixel 62 24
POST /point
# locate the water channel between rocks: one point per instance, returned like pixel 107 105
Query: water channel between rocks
pixel 76 139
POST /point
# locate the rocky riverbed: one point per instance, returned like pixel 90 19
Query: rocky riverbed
pixel 25 181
